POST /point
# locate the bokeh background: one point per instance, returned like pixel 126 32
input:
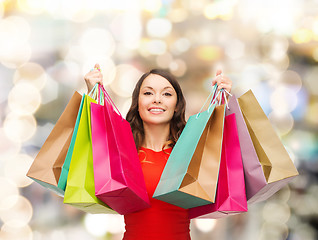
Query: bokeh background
pixel 46 47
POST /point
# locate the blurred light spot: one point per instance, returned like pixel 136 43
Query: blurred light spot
pixel 24 98
pixel 310 80
pixel 291 80
pixel 177 15
pixel 235 49
pixel 97 42
pixel 312 113
pixel 303 143
pixel 1 10
pixel 58 235
pixel 127 29
pixel 8 147
pixel 66 72
pixel 99 224
pixel 159 27
pixel 178 67
pixel 15 56
pixel 107 66
pixel 77 10
pixel 8 189
pixel 125 80
pixel 276 212
pixel 31 73
pixel 205 225
pixel 156 47
pixel 273 231
pixel 16 29
pixel 315 54
pixel 50 91
pixel 220 9
pixel 302 36
pixel 151 5
pixel 283 100
pixel 125 107
pixel 16 169
pixel 19 128
pixel 18 209
pixel 32 6
pixel 283 123
pixel 181 45
pixel 164 60
pixel 14 49
pixel 14 230
pixel 209 53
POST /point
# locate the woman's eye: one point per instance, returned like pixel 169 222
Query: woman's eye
pixel 167 94
pixel 147 93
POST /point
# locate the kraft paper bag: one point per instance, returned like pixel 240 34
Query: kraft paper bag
pixel 254 178
pixel 80 186
pixel 190 176
pixel 119 181
pixel 47 165
pixel 278 168
pixel 230 195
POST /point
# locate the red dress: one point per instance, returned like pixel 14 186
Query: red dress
pixel 162 220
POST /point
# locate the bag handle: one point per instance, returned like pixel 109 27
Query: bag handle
pixel 105 95
pixel 93 92
pixel 212 96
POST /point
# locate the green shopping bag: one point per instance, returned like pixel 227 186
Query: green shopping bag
pixel 190 176
pixel 80 187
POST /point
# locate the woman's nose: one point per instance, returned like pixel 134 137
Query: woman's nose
pixel 157 98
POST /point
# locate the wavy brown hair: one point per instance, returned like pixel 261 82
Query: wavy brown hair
pixel 178 120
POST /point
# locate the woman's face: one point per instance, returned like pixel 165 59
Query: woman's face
pixel 157 100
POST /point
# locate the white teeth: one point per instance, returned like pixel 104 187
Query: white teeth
pixel 156 110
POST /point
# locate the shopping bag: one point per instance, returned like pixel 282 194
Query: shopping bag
pixel 65 168
pixel 80 187
pixel 119 181
pixel 189 178
pixel 230 195
pixel 46 167
pixel 277 166
pixel 253 172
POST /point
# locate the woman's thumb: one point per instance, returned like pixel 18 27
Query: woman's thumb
pixel 218 72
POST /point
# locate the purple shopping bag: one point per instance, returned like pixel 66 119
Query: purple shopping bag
pixel 119 180
pixel 230 195
pixel 253 173
pixel 277 167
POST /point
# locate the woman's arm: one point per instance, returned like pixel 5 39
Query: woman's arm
pixel 93 76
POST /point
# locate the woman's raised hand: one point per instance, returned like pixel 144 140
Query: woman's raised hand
pixel 222 81
pixel 93 76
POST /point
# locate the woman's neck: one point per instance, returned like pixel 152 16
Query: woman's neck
pixel 156 136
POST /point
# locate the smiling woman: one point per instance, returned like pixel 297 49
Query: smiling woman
pixel 157 118
pixel 155 90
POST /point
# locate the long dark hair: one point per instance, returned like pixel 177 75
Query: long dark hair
pixel 178 120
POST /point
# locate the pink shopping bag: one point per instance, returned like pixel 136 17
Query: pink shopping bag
pixel 254 177
pixel 230 195
pixel 119 180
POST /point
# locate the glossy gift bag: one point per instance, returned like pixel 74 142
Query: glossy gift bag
pixel 80 187
pixel 230 195
pixel 119 180
pixel 278 168
pixel 47 165
pixel 190 176
pixel 253 173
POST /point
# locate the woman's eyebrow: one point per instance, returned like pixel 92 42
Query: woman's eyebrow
pixel 167 87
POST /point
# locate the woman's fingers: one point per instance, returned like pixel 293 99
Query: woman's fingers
pixel 92 77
